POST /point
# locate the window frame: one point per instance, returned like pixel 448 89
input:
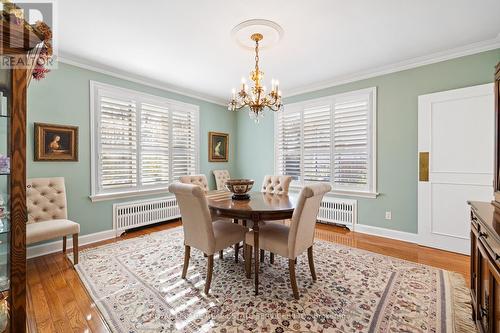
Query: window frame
pixel 372 137
pixel 139 190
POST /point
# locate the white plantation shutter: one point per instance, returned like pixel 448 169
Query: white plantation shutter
pixel 288 143
pixel 351 144
pixel 316 139
pixel 118 141
pixel 139 141
pixel 154 144
pixel 330 140
pixel 184 143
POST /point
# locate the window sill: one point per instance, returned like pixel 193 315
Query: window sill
pixel 129 194
pixel 335 193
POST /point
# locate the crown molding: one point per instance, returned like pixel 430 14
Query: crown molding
pixel 458 52
pixel 124 75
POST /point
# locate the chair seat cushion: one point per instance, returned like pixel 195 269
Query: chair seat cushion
pixel 227 234
pixel 273 237
pixel 45 230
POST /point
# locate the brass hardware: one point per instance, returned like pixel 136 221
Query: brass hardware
pixel 256 37
pixel 424 166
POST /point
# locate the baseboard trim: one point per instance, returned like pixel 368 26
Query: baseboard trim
pixel 56 246
pixel 387 233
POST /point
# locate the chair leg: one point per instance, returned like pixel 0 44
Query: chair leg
pixel 311 262
pixel 64 244
pixel 262 253
pixel 248 260
pixel 221 254
pixel 236 251
pixel 237 245
pixel 293 279
pixel 210 269
pixel 75 249
pixel 271 258
pixel 187 255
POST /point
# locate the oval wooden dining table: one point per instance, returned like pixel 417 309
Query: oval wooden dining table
pixel 260 207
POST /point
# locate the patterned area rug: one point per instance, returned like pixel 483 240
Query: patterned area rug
pixel 136 284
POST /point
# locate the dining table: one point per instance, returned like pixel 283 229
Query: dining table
pixel 252 212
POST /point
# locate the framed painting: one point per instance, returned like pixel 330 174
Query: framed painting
pixel 56 142
pixel 218 147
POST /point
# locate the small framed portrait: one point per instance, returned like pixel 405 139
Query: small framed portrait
pixel 218 147
pixel 56 142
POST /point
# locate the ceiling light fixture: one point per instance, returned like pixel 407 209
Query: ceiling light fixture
pixel 255 97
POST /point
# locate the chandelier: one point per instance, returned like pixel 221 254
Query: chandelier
pixel 256 99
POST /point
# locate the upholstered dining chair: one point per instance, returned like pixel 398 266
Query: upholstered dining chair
pixel 276 185
pixel 48 214
pixel 291 241
pixel 220 178
pixel 200 231
pixel 200 180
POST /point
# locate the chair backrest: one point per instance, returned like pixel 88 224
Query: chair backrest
pixel 199 180
pixel 220 178
pixel 301 234
pixel 196 219
pixel 46 199
pixel 276 184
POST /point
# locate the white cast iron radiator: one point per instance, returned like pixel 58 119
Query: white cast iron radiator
pixel 133 214
pixel 338 211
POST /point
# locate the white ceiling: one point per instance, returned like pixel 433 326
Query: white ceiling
pixel 186 44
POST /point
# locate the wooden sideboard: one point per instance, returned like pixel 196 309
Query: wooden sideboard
pixel 485 268
pixel 485 244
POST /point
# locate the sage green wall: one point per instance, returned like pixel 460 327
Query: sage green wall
pixel 63 98
pixel 396 135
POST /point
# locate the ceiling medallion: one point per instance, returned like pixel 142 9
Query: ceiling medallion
pixel 255 97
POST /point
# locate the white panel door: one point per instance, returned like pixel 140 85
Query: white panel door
pixel 456 128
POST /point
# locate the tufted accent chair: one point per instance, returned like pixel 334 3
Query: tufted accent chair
pixel 199 180
pixel 48 214
pixel 220 178
pixel 276 184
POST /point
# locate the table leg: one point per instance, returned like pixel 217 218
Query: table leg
pixel 256 254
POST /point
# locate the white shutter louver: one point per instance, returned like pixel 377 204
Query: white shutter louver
pixel 351 144
pixel 118 137
pixel 140 142
pixel 316 143
pixel 289 144
pixel 330 139
pixel 184 143
pixel 154 144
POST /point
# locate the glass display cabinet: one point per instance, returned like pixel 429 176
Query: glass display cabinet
pixel 18 43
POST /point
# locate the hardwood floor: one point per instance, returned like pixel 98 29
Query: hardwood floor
pixel 58 302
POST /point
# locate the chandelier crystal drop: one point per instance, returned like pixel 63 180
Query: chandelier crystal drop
pixel 256 99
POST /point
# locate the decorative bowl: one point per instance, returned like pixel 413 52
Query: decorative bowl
pixel 239 188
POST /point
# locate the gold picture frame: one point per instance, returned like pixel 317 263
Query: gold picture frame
pixel 56 142
pixel 218 147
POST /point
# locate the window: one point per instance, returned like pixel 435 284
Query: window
pixel 140 142
pixel 331 139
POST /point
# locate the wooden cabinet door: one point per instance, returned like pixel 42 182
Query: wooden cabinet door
pixel 483 289
pixel 473 269
pixel 494 306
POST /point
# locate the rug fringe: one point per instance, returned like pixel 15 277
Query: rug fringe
pixel 462 304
